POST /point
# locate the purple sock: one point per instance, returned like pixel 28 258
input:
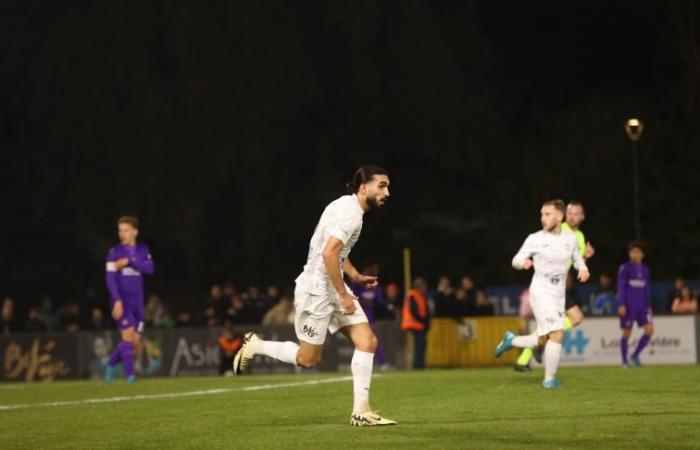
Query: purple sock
pixel 127 350
pixel 116 356
pixel 641 344
pixel 379 357
pixel 623 349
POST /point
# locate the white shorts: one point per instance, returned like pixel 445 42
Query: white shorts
pixel 315 315
pixel 548 310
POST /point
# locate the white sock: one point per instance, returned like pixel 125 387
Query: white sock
pixel 551 359
pixel 528 341
pixel 361 367
pixel 283 351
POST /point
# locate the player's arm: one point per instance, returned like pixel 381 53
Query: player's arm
pixel 331 259
pixel 365 280
pixel 589 251
pixel 622 291
pixel 580 265
pixel 523 259
pixel 143 262
pixel 112 266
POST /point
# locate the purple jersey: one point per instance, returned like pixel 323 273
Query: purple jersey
pixel 634 287
pixel 126 284
pixel 369 298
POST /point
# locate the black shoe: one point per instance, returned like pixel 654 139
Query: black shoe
pixel 537 353
pixel 520 368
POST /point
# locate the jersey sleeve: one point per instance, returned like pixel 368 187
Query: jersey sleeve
pixel 142 261
pixel 343 226
pixel 622 285
pixel 111 276
pixel 525 252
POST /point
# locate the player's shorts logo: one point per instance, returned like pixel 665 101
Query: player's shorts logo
pixel 309 331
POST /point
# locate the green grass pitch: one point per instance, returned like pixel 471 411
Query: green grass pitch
pixel 600 407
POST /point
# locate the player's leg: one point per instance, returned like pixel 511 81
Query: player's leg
pixel 626 323
pixel 574 316
pixel 644 321
pixel 312 313
pixel 550 322
pixel 303 354
pixel 552 353
pixel 356 328
pixel 365 342
pixel 529 341
pixel 126 347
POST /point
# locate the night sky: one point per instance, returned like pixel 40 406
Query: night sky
pixel 228 126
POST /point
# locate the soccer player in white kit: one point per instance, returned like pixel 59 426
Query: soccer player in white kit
pixel 550 252
pixel 322 300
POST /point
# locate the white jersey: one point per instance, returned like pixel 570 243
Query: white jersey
pixel 551 256
pixel 342 219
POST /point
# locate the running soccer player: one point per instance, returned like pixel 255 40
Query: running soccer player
pixel 634 291
pixel 126 263
pixel 575 215
pixel 322 300
pixel 550 252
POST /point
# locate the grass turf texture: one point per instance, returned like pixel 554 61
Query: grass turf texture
pixel 601 407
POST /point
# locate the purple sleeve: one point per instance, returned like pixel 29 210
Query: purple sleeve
pixel 380 299
pixel 142 261
pixel 111 277
pixel 622 285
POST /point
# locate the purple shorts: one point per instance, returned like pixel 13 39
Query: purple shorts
pixel 642 318
pixel 130 320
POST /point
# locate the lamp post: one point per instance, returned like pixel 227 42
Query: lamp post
pixel 634 128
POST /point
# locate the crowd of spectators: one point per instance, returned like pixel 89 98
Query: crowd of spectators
pixel 224 304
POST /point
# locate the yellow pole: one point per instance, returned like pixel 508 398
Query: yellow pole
pixel 407 286
pixel 406 269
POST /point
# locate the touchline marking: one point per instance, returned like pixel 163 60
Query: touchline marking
pixel 90 401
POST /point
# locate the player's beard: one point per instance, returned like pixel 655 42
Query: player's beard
pixel 373 203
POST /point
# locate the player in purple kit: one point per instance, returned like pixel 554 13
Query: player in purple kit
pixel 126 263
pixel 634 291
pixel 370 298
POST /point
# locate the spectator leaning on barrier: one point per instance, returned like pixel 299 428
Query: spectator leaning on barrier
pixel 444 297
pixel 69 317
pixel 97 320
pixel 184 319
pixel 229 344
pixel 8 321
pixel 394 302
pixel 606 301
pixel 415 319
pixel 34 323
pixel 685 303
pixel 280 314
pixel 678 286
pixel 481 306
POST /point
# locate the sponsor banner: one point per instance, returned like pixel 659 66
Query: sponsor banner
pixel 597 342
pixel 27 357
pixel 177 352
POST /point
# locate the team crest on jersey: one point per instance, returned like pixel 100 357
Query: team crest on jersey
pixel 309 331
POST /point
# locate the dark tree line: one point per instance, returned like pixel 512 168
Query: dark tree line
pixel 227 126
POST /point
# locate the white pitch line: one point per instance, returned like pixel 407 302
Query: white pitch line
pixel 173 394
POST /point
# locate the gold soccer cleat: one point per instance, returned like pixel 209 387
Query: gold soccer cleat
pixel 369 419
